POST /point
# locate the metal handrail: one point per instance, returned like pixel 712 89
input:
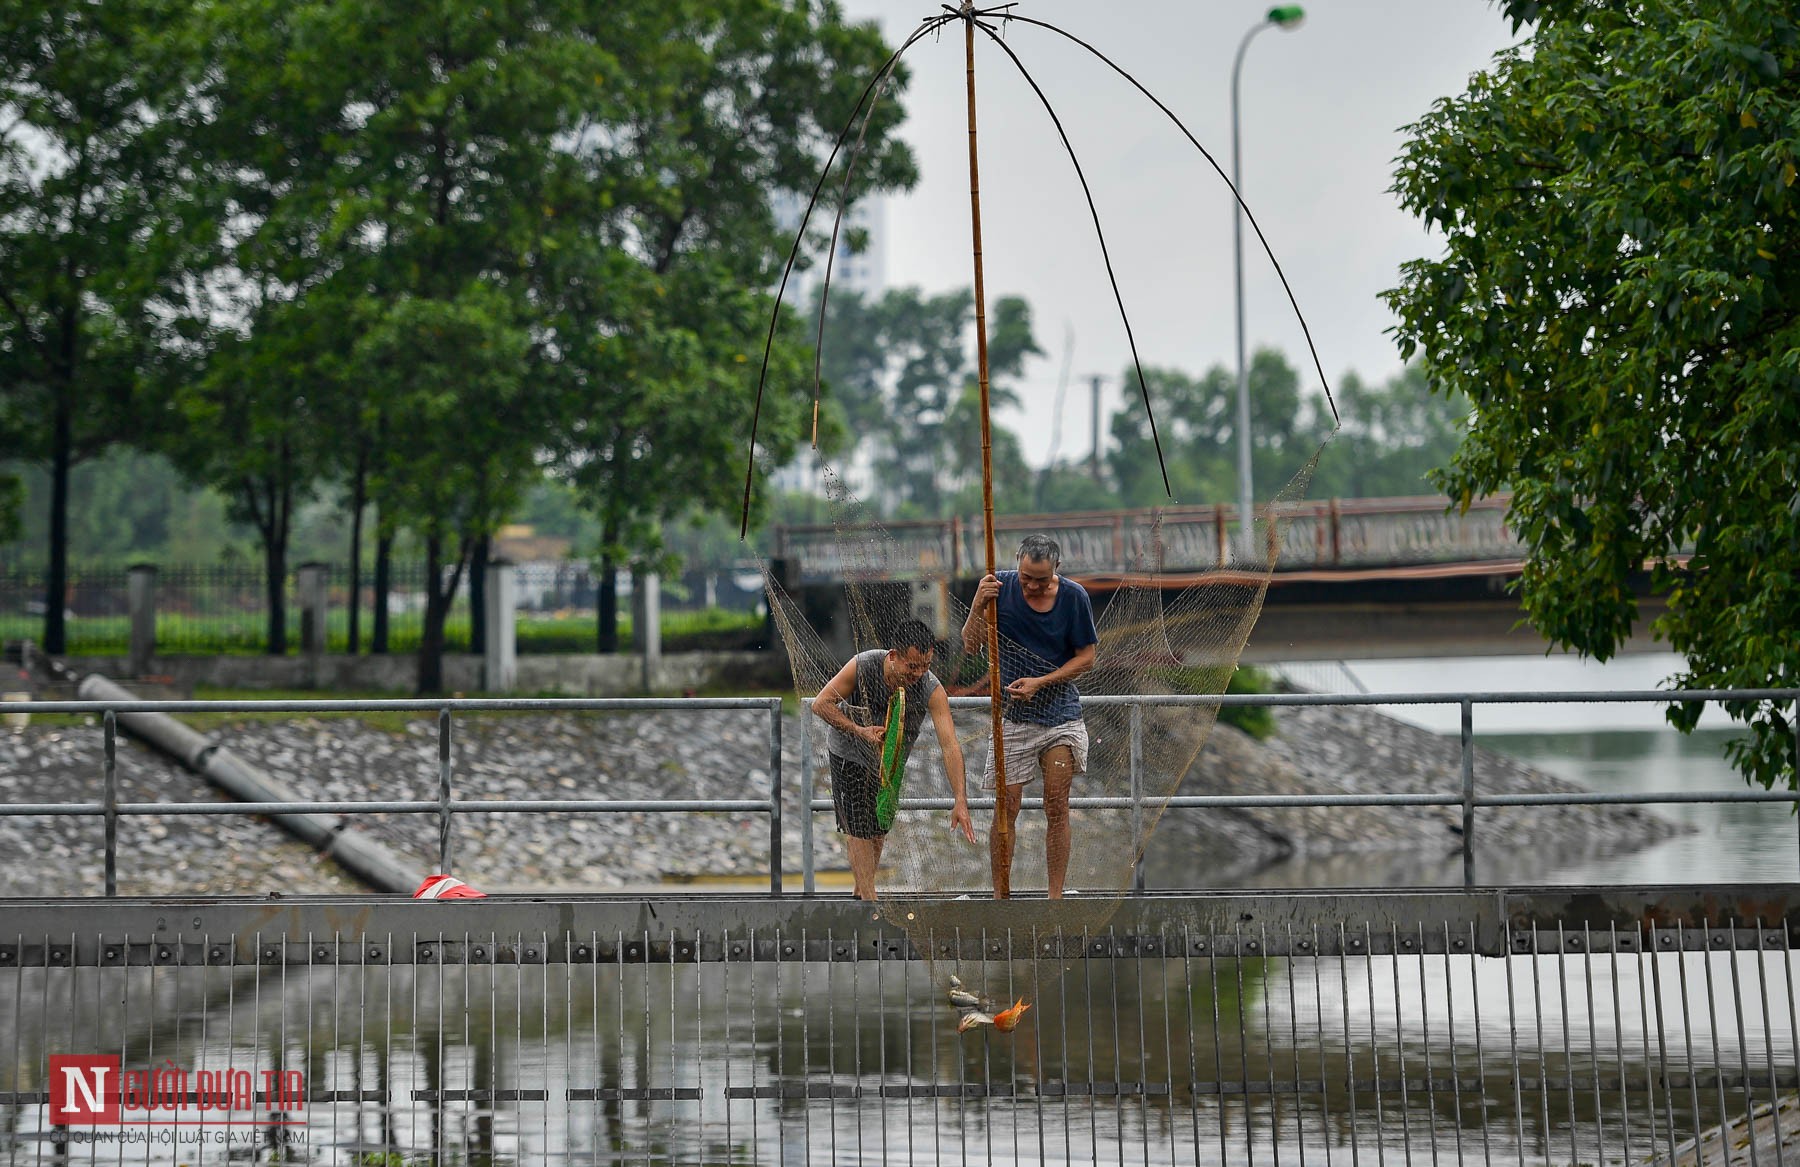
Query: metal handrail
pixel 446 806
pixel 1467 798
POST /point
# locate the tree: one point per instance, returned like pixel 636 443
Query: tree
pixel 903 370
pixel 1618 297
pixel 1393 436
pixel 1197 422
pixel 95 99
pixel 654 296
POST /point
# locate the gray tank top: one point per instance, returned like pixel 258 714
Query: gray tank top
pixel 868 705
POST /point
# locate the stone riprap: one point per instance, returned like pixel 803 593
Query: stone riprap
pixel 706 754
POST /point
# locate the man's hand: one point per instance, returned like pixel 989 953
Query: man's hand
pixel 873 734
pixel 959 819
pixel 985 593
pixel 1025 688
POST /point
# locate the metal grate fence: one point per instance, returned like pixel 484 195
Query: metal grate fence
pixel 1517 1027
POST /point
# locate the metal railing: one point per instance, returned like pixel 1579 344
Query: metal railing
pixel 1328 533
pixel 1467 798
pixel 447 805
pixel 1547 1026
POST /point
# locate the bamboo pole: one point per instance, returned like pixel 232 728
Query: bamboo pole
pixel 1002 829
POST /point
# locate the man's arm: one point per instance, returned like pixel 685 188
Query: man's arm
pixel 975 628
pixel 838 689
pixel 1026 687
pixel 953 762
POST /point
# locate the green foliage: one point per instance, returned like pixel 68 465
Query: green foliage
pixel 903 372
pixel 1392 438
pixel 1617 296
pixel 1256 720
pixel 1196 420
pixel 97 103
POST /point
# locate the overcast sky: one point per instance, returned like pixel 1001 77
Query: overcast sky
pixel 1322 108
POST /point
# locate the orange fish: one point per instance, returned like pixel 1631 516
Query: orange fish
pixel 1007 1020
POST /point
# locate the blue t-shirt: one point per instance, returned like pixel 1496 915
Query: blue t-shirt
pixel 1033 643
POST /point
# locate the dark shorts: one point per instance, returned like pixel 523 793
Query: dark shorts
pixel 853 791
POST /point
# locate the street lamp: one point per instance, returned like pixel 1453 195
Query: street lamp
pixel 1288 16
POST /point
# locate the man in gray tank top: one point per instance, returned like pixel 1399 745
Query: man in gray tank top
pixel 855 706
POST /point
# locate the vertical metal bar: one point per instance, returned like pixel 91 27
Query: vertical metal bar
pixel 1318 959
pixel 1762 1002
pixel 1168 1039
pixel 1287 931
pixel 1399 1039
pixel 1450 1033
pixel 1562 990
pixel 1187 985
pixel 1537 1009
pixel 1374 1039
pixel 1618 993
pixel 805 1070
pixel 806 797
pixel 1139 842
pixel 1087 978
pixel 443 740
pixel 1262 933
pixel 1037 1046
pixel 1237 963
pixel 830 1044
pixel 1112 982
pixel 1593 1046
pixel 775 796
pixel 755 1058
pixel 1662 1041
pixel 1424 1035
pixel 1737 1002
pixel 1787 967
pixel 1512 1040
pixel 1487 1142
pixel 1468 792
pixel 109 795
pixel 1687 1032
pixel 1349 1050
pixel 1219 1056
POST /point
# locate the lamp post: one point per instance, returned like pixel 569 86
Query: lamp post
pixel 1287 16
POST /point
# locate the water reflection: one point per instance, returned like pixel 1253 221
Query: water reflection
pixel 1547 1059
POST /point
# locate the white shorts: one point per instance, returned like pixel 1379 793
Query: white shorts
pixel 1025 743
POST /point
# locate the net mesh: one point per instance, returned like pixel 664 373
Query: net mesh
pixel 1164 628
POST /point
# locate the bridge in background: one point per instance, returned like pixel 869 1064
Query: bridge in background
pixel 1353 579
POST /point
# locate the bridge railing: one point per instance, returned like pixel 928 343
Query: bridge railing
pixel 450 802
pixel 1331 533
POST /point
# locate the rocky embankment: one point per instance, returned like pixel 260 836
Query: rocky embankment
pixel 719 755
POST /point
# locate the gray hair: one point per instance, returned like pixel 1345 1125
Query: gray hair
pixel 1041 547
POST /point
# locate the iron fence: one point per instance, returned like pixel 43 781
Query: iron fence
pixel 1560 1027
pixel 212 609
pixel 448 804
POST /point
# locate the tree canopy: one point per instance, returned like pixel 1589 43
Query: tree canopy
pixel 1617 297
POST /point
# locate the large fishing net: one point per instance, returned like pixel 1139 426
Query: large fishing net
pixel 1172 622
pixel 1168 627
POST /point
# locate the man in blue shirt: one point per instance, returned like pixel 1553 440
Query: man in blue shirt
pixel 1047 639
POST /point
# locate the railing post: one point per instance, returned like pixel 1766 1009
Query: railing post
pixel 1137 793
pixel 309 587
pixel 140 601
pixel 806 797
pixel 444 812
pixel 500 648
pixel 775 796
pixel 646 625
pixel 1468 805
pixel 109 797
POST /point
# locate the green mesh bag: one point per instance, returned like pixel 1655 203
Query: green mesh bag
pixel 893 762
